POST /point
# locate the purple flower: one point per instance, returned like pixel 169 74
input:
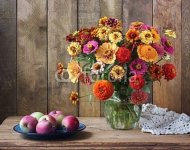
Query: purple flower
pixel 159 48
pixel 138 66
pixel 90 47
pixel 167 45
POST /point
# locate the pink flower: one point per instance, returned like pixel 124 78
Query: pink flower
pixel 167 45
pixel 90 47
pixel 159 48
pixel 139 97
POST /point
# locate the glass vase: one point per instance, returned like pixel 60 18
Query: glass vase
pixel 121 114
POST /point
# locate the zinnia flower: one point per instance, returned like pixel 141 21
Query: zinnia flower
pixel 136 25
pixel 90 47
pixel 146 37
pixel 115 37
pixel 137 82
pixel 170 33
pixel 74 97
pixel 159 48
pixel 60 68
pixel 97 67
pixel 167 45
pixel 155 35
pixel 155 72
pixel 113 24
pixel 138 66
pixel 74 70
pixel 169 71
pixel 123 55
pixel 117 72
pixel 106 53
pixel 85 79
pixel 132 35
pixel 103 89
pixel 147 53
pixel 166 56
pixel 102 21
pixel 103 33
pixel 139 97
pixel 74 49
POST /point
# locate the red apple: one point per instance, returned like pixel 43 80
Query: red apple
pixel 28 124
pixel 58 115
pixel 45 127
pixel 70 123
pixel 50 119
pixel 37 115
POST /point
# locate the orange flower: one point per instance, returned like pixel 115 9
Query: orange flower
pixel 106 53
pixel 155 35
pixel 74 70
pixel 147 53
pixel 60 68
pixel 132 35
pixel 103 89
pixel 74 97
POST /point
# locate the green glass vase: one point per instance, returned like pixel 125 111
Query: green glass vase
pixel 121 114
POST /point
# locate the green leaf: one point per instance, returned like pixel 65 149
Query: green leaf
pixel 146 88
pixel 90 99
pixel 108 67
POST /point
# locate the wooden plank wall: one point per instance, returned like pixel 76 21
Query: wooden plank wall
pixel 32 42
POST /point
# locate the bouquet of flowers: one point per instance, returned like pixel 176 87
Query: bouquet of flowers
pixel 117 64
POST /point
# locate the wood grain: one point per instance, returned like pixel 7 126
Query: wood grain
pixel 185 61
pixel 138 10
pixel 88 15
pixel 31 56
pixel 7 58
pixel 110 8
pixel 169 93
pixel 62 21
pixel 96 135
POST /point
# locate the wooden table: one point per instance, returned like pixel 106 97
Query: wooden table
pixel 97 135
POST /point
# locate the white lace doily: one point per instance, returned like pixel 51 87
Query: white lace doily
pixel 157 120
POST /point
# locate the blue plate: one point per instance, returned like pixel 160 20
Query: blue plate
pixel 57 134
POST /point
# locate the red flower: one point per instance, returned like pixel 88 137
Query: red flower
pixel 103 89
pixel 139 97
pixel 137 82
pixel 85 79
pixel 169 71
pixel 123 55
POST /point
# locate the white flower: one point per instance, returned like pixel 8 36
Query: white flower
pixel 166 56
pixel 97 67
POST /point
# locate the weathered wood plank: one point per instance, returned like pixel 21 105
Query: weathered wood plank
pixel 138 10
pixel 110 8
pixel 88 15
pixel 7 58
pixel 62 20
pixel 167 15
pixel 31 56
pixel 185 61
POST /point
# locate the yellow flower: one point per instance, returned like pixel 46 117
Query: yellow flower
pixel 60 68
pixel 146 37
pixel 117 72
pixel 74 70
pixel 106 53
pixel 170 33
pixel 74 97
pixel 74 49
pixel 155 35
pixel 102 21
pixel 147 53
pixel 115 37
pixel 103 33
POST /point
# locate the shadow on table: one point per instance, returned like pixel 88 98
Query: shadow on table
pixel 71 137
